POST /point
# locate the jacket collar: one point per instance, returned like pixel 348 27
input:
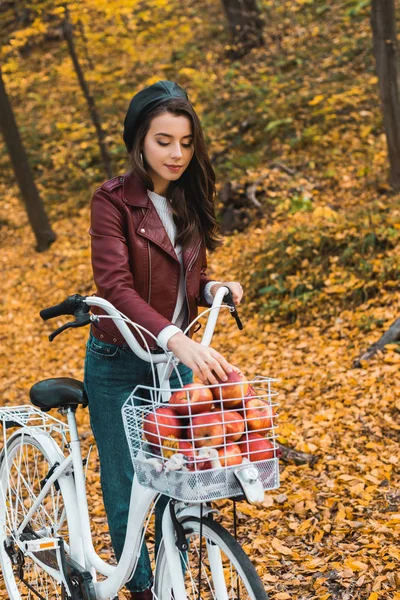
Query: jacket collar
pixel 151 227
pixel 134 192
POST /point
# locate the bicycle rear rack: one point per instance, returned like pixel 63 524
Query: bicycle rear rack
pixel 32 417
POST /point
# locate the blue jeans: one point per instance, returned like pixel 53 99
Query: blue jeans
pixel 111 373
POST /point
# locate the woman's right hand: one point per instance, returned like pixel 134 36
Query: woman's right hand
pixel 204 361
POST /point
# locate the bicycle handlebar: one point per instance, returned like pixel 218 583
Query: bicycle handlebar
pixel 73 305
pixel 79 306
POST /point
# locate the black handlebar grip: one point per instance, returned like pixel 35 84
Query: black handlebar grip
pixel 53 311
pixel 228 297
pixel 66 307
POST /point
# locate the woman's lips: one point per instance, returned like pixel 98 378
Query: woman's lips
pixel 174 169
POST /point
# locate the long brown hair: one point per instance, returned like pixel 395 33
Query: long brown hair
pixel 193 194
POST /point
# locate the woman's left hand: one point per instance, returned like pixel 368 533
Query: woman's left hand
pixel 234 286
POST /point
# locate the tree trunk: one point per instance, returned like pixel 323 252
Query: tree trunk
pixel 246 24
pixel 37 216
pixel 86 45
pixel 68 33
pixel 383 21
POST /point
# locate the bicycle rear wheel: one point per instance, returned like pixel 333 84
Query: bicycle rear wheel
pixel 24 465
pixel 226 572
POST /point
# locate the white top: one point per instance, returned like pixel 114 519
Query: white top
pixel 180 316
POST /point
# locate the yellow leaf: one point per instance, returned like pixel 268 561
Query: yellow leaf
pixel 341 514
pixel 170 446
pixel 318 536
pixel 355 565
pixel 373 596
pixel 316 100
pixel 324 212
pixel 304 526
pixel 394 552
pixel 357 490
pixel 270 578
pixel 372 479
pixel 279 547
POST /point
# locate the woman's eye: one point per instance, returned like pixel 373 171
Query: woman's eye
pixel 184 145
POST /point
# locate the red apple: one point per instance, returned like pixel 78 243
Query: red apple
pixel 256 447
pixel 232 395
pixel 161 424
pixel 258 415
pixel 206 429
pixel 234 424
pixel 193 399
pixel 230 455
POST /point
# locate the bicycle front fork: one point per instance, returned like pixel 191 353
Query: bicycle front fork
pixel 175 543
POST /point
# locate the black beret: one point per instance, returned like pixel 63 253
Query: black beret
pixel 144 101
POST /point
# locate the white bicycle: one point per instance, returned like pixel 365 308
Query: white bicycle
pixel 46 547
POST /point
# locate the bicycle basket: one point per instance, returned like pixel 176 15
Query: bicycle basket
pixel 189 448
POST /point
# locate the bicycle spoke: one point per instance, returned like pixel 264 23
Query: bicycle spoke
pixel 226 573
pixel 23 471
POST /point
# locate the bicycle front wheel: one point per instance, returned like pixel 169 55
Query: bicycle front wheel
pixel 220 571
pixel 24 466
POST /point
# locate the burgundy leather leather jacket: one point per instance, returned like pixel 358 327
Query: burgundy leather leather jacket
pixel 135 266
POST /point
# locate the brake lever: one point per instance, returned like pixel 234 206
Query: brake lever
pixel 82 320
pixel 228 299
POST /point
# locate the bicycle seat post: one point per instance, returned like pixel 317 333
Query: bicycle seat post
pixel 79 477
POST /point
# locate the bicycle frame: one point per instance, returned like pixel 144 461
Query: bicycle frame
pixel 141 497
pixel 73 489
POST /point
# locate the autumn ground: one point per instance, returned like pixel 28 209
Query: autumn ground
pixel 320 270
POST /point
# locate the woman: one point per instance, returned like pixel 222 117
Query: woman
pixel 150 229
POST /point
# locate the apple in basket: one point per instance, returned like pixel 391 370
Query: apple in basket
pixel 230 455
pixel 233 423
pixel 206 429
pixel 259 415
pixel 192 399
pixel 233 390
pixel 256 447
pixel 161 424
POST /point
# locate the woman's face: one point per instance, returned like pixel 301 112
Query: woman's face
pixel 168 142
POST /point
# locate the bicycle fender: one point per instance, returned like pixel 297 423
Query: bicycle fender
pixel 183 511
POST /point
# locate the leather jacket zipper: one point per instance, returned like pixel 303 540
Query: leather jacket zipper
pixel 196 253
pixel 149 251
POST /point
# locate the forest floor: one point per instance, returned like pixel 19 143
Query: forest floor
pixel 330 530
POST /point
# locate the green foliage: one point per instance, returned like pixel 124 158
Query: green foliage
pixel 368 323
pixel 309 266
pixel 356 7
pixel 272 125
pixel 300 203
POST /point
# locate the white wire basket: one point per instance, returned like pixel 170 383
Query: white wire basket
pixel 189 447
